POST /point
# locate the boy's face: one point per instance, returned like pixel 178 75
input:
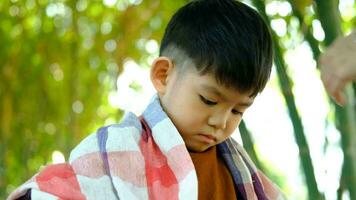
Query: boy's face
pixel 204 112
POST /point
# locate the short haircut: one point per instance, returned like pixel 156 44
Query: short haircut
pixel 224 37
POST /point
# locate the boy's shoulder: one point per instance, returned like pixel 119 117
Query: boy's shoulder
pixel 123 136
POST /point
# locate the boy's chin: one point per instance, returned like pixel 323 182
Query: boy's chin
pixel 198 149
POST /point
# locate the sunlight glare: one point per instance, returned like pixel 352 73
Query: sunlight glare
pixel 318 31
pixel 280 26
pixel 57 157
pixel 109 3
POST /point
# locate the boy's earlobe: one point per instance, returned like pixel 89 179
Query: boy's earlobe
pixel 160 72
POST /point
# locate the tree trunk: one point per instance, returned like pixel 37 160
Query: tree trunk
pixel 248 144
pixel 345 116
pixel 286 87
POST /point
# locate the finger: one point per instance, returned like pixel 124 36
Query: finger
pixel 336 89
pixel 339 98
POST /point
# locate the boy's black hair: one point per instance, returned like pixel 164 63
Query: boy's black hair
pixel 226 38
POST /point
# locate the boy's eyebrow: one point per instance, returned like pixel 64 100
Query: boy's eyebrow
pixel 218 93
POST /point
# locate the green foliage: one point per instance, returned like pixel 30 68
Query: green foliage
pixel 58 62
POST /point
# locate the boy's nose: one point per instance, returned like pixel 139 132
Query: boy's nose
pixel 218 120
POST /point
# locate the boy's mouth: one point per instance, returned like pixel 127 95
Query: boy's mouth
pixel 207 138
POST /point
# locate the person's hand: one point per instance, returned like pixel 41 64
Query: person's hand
pixel 338 67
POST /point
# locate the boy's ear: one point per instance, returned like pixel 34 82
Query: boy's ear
pixel 161 71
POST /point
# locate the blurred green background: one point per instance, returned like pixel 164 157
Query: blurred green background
pixel 59 66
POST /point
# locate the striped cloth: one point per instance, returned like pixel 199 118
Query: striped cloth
pixel 141 158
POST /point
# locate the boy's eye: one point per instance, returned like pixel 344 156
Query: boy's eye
pixel 206 101
pixel 236 112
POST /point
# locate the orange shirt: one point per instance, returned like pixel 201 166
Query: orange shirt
pixel 214 179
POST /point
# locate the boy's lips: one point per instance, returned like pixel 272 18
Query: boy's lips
pixel 207 138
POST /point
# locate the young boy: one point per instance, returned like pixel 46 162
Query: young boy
pixel 215 57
